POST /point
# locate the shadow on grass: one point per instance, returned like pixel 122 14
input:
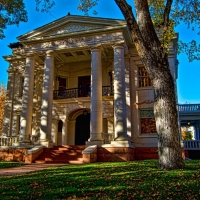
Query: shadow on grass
pixel 125 180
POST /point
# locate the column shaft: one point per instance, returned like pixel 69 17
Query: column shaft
pixel 47 98
pixel 27 101
pixel 96 98
pixel 7 124
pixel 120 113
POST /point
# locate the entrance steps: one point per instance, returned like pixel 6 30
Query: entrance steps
pixel 70 154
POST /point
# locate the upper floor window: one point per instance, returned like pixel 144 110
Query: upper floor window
pixel 62 83
pixel 144 80
pixel 147 121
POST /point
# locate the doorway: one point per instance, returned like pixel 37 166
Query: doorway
pixel 82 130
pixel 84 83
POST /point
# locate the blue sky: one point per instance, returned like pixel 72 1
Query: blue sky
pixel 188 73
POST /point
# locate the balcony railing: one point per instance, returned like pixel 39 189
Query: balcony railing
pixel 65 94
pixel 77 92
pixel 6 141
pixel 188 107
pixel 192 144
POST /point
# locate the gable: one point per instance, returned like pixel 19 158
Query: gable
pixel 69 25
pixel 74 28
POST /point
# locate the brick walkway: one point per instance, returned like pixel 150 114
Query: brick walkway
pixel 26 169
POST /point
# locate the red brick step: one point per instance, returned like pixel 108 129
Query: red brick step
pixel 62 154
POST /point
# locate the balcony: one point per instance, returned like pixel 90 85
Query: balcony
pixel 189 107
pixel 79 92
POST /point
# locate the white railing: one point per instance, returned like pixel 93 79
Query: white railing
pixel 6 141
pixel 188 107
pixel 191 144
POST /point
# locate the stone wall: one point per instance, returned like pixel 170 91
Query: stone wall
pixel 115 154
pixel 12 154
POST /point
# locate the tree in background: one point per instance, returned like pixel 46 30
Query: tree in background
pixel 2 103
pixel 152 30
pixel 11 12
pixel 186 135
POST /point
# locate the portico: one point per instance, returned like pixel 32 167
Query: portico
pixel 50 56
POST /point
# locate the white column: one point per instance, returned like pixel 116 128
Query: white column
pixel 7 124
pixel 54 131
pixel 71 132
pixel 128 103
pixel 47 99
pixel 120 113
pixel 27 101
pixel 64 132
pixel 96 99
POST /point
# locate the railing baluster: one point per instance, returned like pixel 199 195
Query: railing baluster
pixel 188 107
pixel 78 92
pixel 6 141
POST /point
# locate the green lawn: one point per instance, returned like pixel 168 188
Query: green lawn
pixel 125 180
pixel 10 164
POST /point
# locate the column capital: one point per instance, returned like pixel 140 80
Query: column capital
pixel 49 53
pixel 97 47
pixel 30 54
pixel 12 71
pixel 118 45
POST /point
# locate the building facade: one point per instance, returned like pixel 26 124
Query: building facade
pixel 79 80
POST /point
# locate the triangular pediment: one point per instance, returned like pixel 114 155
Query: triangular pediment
pixel 74 28
pixel 69 25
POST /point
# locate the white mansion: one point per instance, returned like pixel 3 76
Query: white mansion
pixel 78 80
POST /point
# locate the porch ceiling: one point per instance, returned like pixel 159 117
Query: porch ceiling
pixel 74 55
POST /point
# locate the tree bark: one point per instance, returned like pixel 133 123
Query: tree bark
pixel 155 61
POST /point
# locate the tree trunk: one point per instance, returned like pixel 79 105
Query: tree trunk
pixel 155 61
pixel 166 116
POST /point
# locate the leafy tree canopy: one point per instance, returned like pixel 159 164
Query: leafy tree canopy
pixel 11 12
pixel 180 11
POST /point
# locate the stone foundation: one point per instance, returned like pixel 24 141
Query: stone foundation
pixel 100 154
pixel 142 153
pixel 13 154
pixel 115 154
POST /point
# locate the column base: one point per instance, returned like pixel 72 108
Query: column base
pixel 46 143
pixel 94 142
pixel 120 143
pixel 23 144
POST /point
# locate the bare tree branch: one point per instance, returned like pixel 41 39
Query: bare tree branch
pixel 167 12
pixel 126 10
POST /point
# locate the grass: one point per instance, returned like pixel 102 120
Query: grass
pixel 124 180
pixel 10 164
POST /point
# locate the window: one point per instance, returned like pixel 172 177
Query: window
pixel 62 83
pixel 147 122
pixel 144 80
pixel 62 86
pixel 21 86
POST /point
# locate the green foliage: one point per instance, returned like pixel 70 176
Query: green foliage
pixel 11 12
pixel 86 5
pixel 44 5
pixel 182 11
pixel 122 180
pixel 10 164
pixel 186 135
pixel 192 49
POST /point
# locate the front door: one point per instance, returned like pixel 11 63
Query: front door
pixel 82 131
pixel 84 83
